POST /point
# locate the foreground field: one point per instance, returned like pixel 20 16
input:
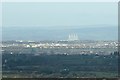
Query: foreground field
pixel 67 66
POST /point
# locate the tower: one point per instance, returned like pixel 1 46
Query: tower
pixel 73 37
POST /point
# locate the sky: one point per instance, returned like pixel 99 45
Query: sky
pixel 58 16
pixel 60 1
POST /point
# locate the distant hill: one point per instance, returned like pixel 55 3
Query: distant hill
pixel 60 33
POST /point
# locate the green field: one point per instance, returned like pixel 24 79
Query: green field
pixel 68 66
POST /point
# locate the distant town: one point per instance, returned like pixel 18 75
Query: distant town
pixel 71 46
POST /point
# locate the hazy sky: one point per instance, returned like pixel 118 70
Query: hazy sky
pixel 55 21
pixel 60 1
pixel 59 14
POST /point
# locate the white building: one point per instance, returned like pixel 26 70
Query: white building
pixel 73 37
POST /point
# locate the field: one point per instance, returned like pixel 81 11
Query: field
pixel 67 66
